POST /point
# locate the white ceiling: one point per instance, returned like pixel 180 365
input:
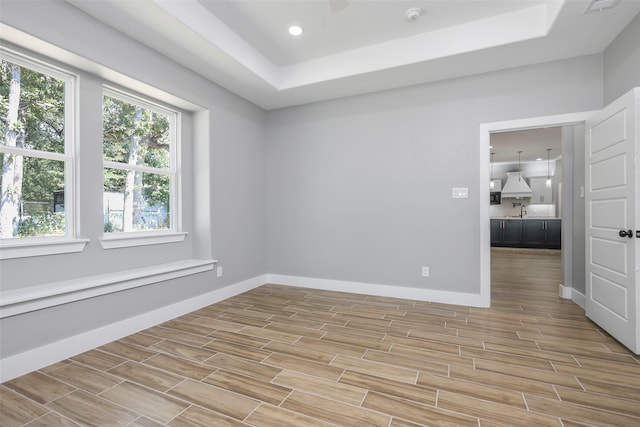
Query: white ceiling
pixel 532 142
pixel 357 46
pixel 335 26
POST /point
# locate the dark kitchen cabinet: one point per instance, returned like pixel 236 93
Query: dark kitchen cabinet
pixel 506 232
pixel 553 234
pixel 542 233
pixel 496 232
pixel 512 232
pixel 526 233
pixel 533 233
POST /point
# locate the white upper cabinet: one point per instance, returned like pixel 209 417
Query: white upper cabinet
pixel 541 193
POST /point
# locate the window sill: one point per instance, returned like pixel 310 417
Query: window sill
pixel 22 248
pixel 125 240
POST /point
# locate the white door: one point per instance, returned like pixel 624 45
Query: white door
pixel 612 179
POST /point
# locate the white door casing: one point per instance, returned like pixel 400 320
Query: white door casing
pixel 612 205
pixel 486 129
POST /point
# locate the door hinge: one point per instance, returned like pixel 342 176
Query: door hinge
pixel 638 234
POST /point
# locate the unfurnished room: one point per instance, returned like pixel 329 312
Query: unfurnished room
pixel 388 213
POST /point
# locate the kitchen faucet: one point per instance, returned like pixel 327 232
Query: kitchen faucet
pixel 523 209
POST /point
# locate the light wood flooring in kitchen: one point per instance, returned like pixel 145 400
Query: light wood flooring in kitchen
pixel 283 356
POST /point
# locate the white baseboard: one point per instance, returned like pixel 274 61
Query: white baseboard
pixel 445 297
pixel 565 291
pixel 578 297
pixel 31 360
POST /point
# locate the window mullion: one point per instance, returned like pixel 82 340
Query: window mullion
pixel 137 168
pixel 49 155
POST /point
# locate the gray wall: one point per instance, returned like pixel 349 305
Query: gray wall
pixel 224 160
pixel 578 240
pixel 359 189
pixel 574 214
pixel 622 62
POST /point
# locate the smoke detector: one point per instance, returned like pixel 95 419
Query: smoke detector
pixel 413 14
pixel 600 5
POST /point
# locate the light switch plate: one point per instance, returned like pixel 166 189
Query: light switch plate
pixel 459 193
pixel 425 271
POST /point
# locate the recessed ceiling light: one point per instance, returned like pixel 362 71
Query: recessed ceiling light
pixel 295 30
pixel 539 158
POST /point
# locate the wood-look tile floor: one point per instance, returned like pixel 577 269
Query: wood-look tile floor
pixel 284 356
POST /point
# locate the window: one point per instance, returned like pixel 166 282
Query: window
pixel 139 158
pixel 40 192
pixel 37 151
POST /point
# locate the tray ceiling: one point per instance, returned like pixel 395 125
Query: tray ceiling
pixel 352 47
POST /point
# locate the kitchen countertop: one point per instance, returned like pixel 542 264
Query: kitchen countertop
pixel 526 217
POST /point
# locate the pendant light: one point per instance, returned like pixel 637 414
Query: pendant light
pixel 519 170
pixel 548 183
pixel 491 183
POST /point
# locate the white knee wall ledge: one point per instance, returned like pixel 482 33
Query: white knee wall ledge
pixel 18 301
pixel 31 360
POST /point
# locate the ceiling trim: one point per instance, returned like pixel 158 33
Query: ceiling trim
pixel 520 25
pixel 206 25
pixel 490 32
pixel 189 33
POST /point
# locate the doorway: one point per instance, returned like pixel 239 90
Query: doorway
pixel 527 169
pixel 566 288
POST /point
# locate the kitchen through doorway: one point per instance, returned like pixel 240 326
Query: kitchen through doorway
pixel 525 204
pixel 548 218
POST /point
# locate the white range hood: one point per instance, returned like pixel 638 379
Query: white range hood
pixel 515 187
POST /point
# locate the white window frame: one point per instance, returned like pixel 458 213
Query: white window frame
pixel 150 237
pixel 68 243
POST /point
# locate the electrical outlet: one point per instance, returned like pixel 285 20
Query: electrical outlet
pixel 219 271
pixel 425 271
